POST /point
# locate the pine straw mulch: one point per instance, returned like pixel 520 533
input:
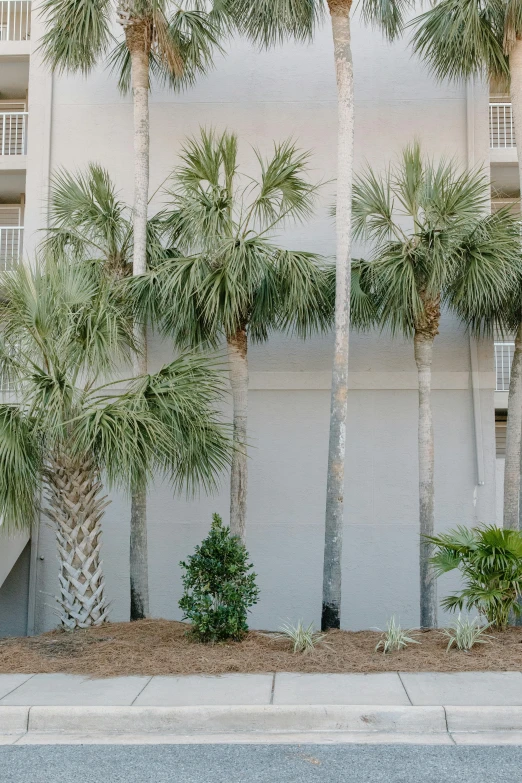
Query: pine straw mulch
pixel 152 647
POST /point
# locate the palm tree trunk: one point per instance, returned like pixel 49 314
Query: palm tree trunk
pixel 139 562
pixel 76 508
pixel 423 347
pixel 334 517
pixel 138 41
pixel 136 36
pixel 238 368
pixel 515 67
pixel 512 484
pixel 513 433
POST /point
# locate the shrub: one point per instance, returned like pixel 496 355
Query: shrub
pixel 394 638
pixel 219 586
pixel 303 638
pixel 466 633
pixel 490 561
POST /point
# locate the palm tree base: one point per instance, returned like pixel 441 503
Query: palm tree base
pixel 76 509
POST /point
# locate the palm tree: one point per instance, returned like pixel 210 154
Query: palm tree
pixel 64 330
pixel 174 42
pixel 460 40
pixel 432 249
pixel 89 220
pixel 269 22
pixel 227 277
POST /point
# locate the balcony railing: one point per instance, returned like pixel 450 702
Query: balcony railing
pixel 501 127
pixel 503 359
pixel 13 133
pixel 15 20
pixel 11 246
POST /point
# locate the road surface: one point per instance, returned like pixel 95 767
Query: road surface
pixel 260 764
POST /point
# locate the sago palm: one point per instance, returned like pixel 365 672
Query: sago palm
pixel 460 39
pixel 228 278
pixel 69 428
pixel 431 249
pixel 89 220
pixel 269 22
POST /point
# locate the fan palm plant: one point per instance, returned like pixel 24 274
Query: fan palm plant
pixel 227 277
pixel 490 562
pixel 65 330
pixel 432 249
pixel 88 220
pixel 269 22
pixel 460 39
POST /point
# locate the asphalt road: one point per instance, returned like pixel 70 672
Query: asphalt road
pixel 260 764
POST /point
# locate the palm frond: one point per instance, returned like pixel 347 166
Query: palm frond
pixel 485 288
pixel 164 423
pixel 269 22
pixel 463 38
pixel 285 192
pixel 85 204
pixel 364 304
pixel 77 34
pixel 372 208
pixel 388 15
pixel 20 469
pixel 303 284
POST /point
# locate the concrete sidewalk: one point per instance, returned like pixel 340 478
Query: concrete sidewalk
pixel 395 707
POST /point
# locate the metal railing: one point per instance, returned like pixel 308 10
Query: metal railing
pixel 11 246
pixel 501 127
pixel 13 133
pixel 503 359
pixel 15 20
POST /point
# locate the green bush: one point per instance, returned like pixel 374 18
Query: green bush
pixel 490 561
pixel 219 586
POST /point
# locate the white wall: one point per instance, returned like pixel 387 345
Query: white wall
pixel 265 96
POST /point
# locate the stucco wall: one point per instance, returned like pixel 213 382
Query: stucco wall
pixel 14 595
pixel 265 96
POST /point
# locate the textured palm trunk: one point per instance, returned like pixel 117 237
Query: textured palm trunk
pixel 512 485
pixel 423 347
pixel 237 346
pixel 138 37
pixel 513 432
pixel 334 517
pixel 76 507
pixel 138 42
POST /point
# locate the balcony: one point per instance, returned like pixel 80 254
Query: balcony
pixel 11 246
pixel 503 358
pixel 15 20
pixel 502 143
pixel 13 133
pixel 501 127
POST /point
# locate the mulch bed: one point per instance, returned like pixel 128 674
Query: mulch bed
pixel 151 647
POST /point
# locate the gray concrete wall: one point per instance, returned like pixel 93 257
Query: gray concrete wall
pixel 14 597
pixel 265 96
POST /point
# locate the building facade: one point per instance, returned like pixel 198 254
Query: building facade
pixel 53 122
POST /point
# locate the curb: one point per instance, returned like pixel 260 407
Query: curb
pixel 14 720
pixel 483 719
pixel 251 719
pixel 224 719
